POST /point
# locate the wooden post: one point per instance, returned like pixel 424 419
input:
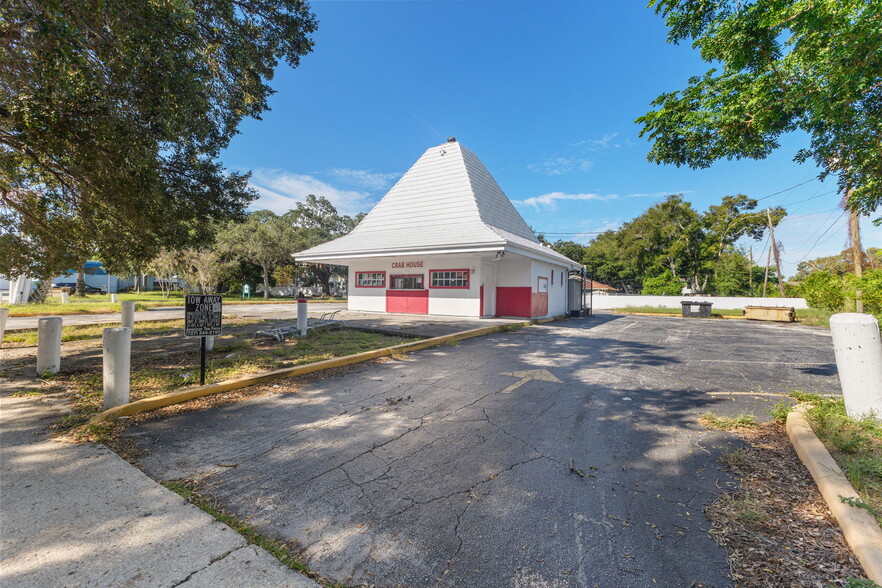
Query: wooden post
pixel 750 274
pixel 768 261
pixel 856 253
pixel 775 250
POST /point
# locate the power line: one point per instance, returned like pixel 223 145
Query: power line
pixel 787 189
pixel 822 234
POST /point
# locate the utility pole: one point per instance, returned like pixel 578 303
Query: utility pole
pixel 856 252
pixel 750 271
pixel 777 258
pixel 768 261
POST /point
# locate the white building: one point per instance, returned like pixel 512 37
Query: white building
pixel 445 240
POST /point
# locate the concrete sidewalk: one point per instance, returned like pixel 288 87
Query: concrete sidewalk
pixel 79 515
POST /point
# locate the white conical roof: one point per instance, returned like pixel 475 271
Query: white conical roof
pixel 446 202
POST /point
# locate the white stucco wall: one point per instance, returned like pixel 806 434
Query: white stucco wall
pixel 442 301
pixel 557 293
pixel 606 301
pixel 514 272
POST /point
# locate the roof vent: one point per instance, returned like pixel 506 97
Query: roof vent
pixel 451 139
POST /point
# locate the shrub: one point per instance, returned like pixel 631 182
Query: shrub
pixel 824 290
pixel 665 285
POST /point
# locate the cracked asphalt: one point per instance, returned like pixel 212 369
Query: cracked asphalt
pixel 436 469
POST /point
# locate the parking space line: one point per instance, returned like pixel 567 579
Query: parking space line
pixel 753 361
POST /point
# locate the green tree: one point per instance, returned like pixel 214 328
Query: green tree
pixel 317 221
pixel 693 246
pixel 731 274
pixel 571 249
pixel 263 238
pixel 664 284
pixel 113 116
pixel 779 66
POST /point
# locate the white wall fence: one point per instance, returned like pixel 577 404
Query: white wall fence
pixel 607 301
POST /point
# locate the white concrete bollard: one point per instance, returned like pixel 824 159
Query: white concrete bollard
pixel 114 297
pixel 858 350
pixel 128 314
pixel 4 314
pixel 49 345
pixel 65 297
pixel 209 342
pixel 301 316
pixel 117 343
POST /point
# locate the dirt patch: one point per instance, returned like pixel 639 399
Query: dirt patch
pixel 776 527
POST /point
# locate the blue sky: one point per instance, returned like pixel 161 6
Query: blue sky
pixel 545 93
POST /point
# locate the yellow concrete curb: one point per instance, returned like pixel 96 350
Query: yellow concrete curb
pixel 860 529
pixel 191 393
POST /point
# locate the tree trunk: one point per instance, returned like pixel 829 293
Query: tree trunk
pixel 856 256
pixel 39 295
pixel 81 283
pixel 265 281
pixel 323 275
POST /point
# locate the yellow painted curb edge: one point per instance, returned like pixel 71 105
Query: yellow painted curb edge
pixel 163 400
pixel 861 530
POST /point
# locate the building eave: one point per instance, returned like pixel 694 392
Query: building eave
pixel 447 250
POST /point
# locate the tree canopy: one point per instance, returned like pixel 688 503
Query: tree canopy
pixel 113 115
pixel 672 243
pixel 779 66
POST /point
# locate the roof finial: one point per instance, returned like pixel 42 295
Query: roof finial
pixel 451 139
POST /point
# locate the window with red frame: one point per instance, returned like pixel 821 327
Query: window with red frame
pixel 449 279
pixel 406 282
pixel 370 279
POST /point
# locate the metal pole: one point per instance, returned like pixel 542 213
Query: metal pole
pixel 202 363
pixel 591 296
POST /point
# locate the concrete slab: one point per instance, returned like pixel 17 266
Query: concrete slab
pixel 433 469
pixel 79 515
pixel 247 566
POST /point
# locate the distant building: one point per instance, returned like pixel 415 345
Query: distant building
pixel 445 240
pixel 598 287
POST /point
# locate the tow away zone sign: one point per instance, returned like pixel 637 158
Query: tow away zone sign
pixel 202 315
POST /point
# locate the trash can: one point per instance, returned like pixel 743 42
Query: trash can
pixel 696 309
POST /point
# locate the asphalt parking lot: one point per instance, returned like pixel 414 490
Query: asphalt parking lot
pixel 566 454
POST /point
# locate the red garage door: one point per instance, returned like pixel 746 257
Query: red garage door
pixel 407 301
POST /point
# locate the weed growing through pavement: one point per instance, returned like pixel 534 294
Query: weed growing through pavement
pixel 277 549
pixel 713 421
pixel 780 411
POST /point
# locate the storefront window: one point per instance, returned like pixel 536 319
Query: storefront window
pixel 407 282
pixel 370 279
pixel 450 278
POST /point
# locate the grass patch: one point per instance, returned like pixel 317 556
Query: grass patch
pixel 814 317
pixel 713 421
pixel 282 551
pixel 856 445
pixel 28 337
pixel 101 304
pixel 744 508
pixel 235 357
pixel 663 310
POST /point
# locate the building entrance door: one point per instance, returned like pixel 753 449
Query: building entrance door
pixel 489 289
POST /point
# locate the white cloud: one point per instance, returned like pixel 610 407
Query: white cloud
pixel 556 166
pixel 550 200
pixel 605 142
pixel 362 178
pixel 281 190
pixel 656 194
